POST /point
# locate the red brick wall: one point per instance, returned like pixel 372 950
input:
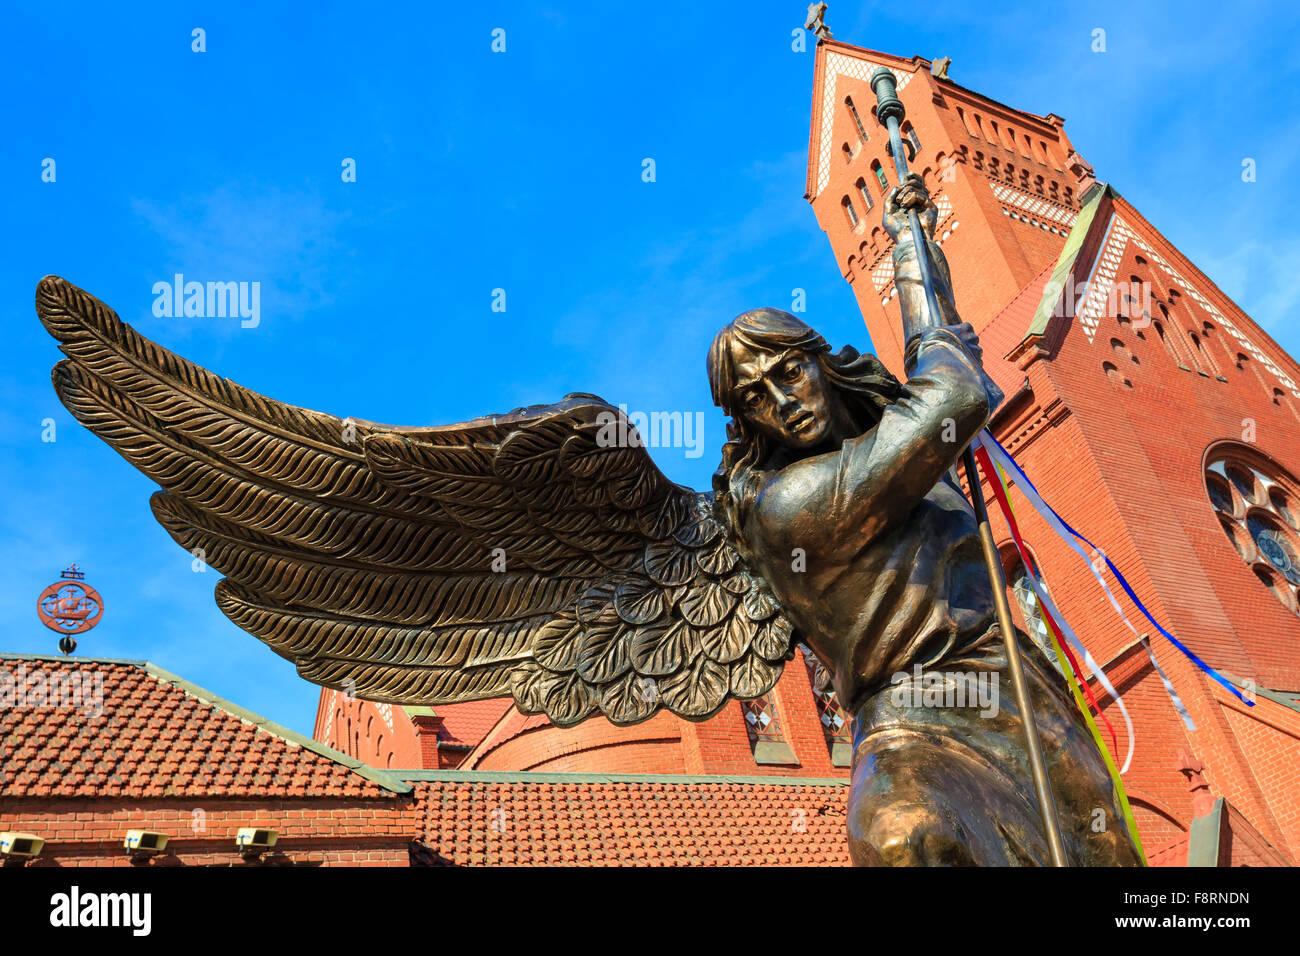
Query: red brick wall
pixel 361 729
pixel 90 832
pixel 594 746
pixel 992 256
pixel 1124 464
pixel 668 744
pixel 724 746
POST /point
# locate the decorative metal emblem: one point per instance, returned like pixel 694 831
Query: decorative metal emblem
pixel 70 606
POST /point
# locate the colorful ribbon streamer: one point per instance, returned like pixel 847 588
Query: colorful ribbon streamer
pixel 1072 672
pixel 1009 508
pixel 1058 524
pixel 1051 613
pixel 1054 521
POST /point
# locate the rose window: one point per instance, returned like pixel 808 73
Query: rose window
pixel 1258 513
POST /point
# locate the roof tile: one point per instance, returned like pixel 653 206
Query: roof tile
pixel 632 822
pixel 152 737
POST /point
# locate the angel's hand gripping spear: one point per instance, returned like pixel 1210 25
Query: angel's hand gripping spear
pixel 909 199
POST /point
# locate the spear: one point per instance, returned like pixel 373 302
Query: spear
pixel 890 113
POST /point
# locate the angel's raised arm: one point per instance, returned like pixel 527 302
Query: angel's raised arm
pixel 876 479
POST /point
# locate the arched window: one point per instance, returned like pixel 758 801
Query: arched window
pixel 850 213
pixel 837 726
pixel 1244 364
pixel 1255 502
pixel 857 120
pixel 968 121
pixel 910 133
pixel 865 193
pixel 1171 340
pixel 1282 400
pixel 848 153
pixel 1164 340
pixel 1115 375
pixel 880 176
pixel 1210 335
pixel 1026 602
pixel 763 725
pixel 1203 357
pixel 1123 353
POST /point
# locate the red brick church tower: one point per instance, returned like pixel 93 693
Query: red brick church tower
pixel 1157 417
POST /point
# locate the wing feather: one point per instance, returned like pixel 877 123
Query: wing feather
pixel 523 553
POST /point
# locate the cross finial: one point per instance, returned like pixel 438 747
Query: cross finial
pixel 816 21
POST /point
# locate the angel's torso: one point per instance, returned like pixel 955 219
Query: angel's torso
pixel 872 552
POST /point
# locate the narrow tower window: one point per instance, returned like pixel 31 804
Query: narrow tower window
pixel 1203 357
pixel 1169 346
pixel 850 212
pixel 910 133
pixel 1170 341
pixel 867 201
pixel 880 176
pixel 857 120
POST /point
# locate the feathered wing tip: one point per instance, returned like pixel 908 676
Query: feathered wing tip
pixel 517 554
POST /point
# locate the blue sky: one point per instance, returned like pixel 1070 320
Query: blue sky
pixel 521 171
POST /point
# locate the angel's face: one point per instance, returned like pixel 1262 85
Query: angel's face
pixel 783 395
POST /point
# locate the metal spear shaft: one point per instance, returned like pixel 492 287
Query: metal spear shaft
pixel 890 113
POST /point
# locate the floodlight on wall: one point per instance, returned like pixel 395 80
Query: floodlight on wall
pixel 142 845
pixel 18 848
pixel 252 842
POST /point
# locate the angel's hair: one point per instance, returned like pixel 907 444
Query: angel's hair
pixel 863 384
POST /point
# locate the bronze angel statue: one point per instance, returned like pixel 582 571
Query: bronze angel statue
pixel 522 555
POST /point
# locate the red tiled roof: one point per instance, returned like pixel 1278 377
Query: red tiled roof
pixel 141 732
pixel 509 725
pixel 483 819
pixel 469 723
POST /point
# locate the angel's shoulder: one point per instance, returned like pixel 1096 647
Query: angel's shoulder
pixel 792 491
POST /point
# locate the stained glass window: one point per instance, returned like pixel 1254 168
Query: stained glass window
pixel 1035 623
pixel 1255 506
pixel 837 726
pixel 761 719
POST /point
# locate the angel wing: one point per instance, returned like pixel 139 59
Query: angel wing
pixel 522 554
